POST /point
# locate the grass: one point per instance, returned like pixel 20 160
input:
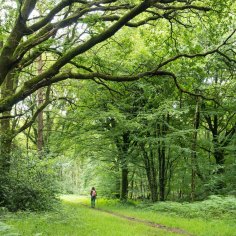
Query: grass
pixel 73 219
pixel 219 225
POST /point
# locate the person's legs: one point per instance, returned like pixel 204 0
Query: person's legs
pixel 92 202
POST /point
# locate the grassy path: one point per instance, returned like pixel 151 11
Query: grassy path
pixel 73 219
pixel 166 221
pixel 76 218
pixel 145 222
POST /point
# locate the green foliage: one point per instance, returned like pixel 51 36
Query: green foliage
pixel 159 118
pixel 216 207
pixel 31 185
pixel 7 230
pixel 222 224
pixel 23 194
pixel 74 219
pixel 222 183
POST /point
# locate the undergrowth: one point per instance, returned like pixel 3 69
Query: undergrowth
pixel 215 207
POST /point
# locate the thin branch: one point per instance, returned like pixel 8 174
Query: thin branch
pixel 28 123
pixel 106 86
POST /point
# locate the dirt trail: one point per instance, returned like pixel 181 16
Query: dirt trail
pixel 146 222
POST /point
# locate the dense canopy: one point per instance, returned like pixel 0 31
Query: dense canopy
pixel 166 131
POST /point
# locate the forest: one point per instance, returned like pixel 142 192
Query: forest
pixel 135 98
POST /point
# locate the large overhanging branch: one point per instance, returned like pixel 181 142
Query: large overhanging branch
pixel 6 62
pixel 53 75
pixel 153 73
pixel 51 30
pixel 47 32
pixel 14 50
pixel 168 13
pixel 54 69
pixel 42 80
pixel 27 90
pixel 40 24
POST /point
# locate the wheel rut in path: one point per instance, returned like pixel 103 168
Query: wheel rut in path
pixel 146 222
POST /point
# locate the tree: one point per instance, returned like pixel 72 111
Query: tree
pixel 76 38
pixel 30 36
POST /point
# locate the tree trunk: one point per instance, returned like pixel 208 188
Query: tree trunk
pixel 124 167
pixel 161 158
pixel 6 137
pixel 5 145
pixel 151 174
pixel 217 145
pixel 132 186
pixel 118 184
pixel 194 150
pixel 40 115
pixel 154 185
pixel 124 182
pixel 218 152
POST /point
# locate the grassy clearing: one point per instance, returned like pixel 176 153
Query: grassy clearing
pixel 213 221
pixel 73 220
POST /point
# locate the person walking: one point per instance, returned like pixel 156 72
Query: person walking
pixel 93 195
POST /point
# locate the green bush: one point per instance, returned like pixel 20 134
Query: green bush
pixel 213 207
pixel 30 185
pixel 24 194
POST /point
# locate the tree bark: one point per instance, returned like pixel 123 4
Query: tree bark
pixel 151 173
pixel 218 153
pixel 40 115
pixel 162 170
pixel 6 136
pixel 124 181
pixel 124 166
pixel 194 149
pixel 162 157
pixel 5 144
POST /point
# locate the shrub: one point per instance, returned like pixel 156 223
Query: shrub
pixel 30 185
pixel 213 207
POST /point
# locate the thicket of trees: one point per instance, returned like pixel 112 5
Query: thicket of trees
pixel 166 132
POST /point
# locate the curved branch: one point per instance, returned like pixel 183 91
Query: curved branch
pixel 40 109
pixel 50 15
pixel 181 89
pixel 106 86
pixel 50 30
pixel 12 42
pixel 157 16
pixel 203 54
pixel 185 7
pixel 51 75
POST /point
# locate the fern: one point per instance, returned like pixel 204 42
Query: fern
pixel 214 207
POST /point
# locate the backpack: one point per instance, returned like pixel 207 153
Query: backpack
pixel 94 193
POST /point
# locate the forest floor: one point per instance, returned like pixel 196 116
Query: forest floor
pixel 145 222
pixel 75 218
